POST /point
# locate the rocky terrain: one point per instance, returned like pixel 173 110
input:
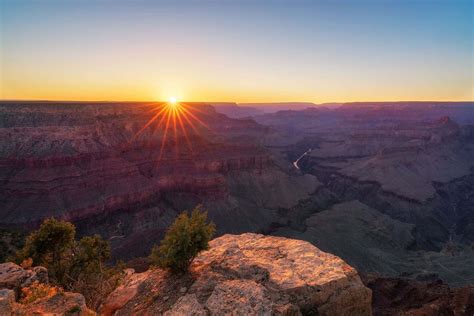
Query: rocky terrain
pixel 241 110
pixel 112 165
pixel 397 181
pixel 76 161
pixel 388 187
pixel 14 280
pixel 401 296
pixel 235 111
pixel 248 274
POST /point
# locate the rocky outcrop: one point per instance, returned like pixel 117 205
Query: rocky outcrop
pixel 248 274
pixel 14 280
pixel 14 277
pixel 59 304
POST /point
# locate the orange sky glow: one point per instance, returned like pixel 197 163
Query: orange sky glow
pixel 238 52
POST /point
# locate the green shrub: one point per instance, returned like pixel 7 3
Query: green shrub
pixel 89 255
pixel 50 246
pixel 77 266
pixel 185 238
pixel 10 241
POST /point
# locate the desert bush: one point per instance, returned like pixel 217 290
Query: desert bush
pixel 38 290
pixel 96 287
pixel 50 246
pixel 10 241
pixel 77 266
pixel 184 239
pixel 89 255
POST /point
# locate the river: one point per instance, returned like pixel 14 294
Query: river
pixel 295 163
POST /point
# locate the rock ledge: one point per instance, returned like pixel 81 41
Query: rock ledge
pixel 248 274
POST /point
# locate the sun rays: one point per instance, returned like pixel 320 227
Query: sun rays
pixel 176 122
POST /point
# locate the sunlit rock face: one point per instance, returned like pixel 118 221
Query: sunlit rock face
pixel 73 161
pixel 250 274
pixel 15 280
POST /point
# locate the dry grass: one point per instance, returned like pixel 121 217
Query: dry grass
pixel 37 291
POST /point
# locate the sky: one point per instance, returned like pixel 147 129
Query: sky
pixel 239 51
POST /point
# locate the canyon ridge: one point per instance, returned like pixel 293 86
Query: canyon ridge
pixel 388 187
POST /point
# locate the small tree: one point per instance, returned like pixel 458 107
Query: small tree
pixel 88 273
pixel 77 266
pixel 89 256
pixel 50 246
pixel 185 238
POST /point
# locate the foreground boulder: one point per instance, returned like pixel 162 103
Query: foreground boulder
pixel 66 303
pixel 248 274
pixel 15 280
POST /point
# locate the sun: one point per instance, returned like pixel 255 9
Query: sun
pixel 177 123
pixel 172 100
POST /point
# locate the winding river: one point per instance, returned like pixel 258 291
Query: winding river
pixel 295 163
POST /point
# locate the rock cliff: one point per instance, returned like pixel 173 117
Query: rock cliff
pixel 14 280
pixel 112 170
pixel 247 274
pixel 409 165
pixel 75 161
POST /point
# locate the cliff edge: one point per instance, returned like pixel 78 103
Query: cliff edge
pixel 42 298
pixel 248 274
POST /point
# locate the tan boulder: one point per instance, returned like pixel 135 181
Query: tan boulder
pixel 187 305
pixel 60 304
pixel 14 277
pixel 242 297
pixel 123 293
pixel 249 274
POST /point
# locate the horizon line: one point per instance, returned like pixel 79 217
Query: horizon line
pixel 234 102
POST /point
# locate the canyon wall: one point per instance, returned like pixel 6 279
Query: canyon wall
pixel 75 161
pixel 126 170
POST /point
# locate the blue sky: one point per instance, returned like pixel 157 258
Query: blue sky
pixel 237 50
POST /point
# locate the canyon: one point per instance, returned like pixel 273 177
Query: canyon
pixel 102 164
pixel 388 187
pixel 400 182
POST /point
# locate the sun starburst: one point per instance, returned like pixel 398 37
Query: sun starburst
pixel 175 121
